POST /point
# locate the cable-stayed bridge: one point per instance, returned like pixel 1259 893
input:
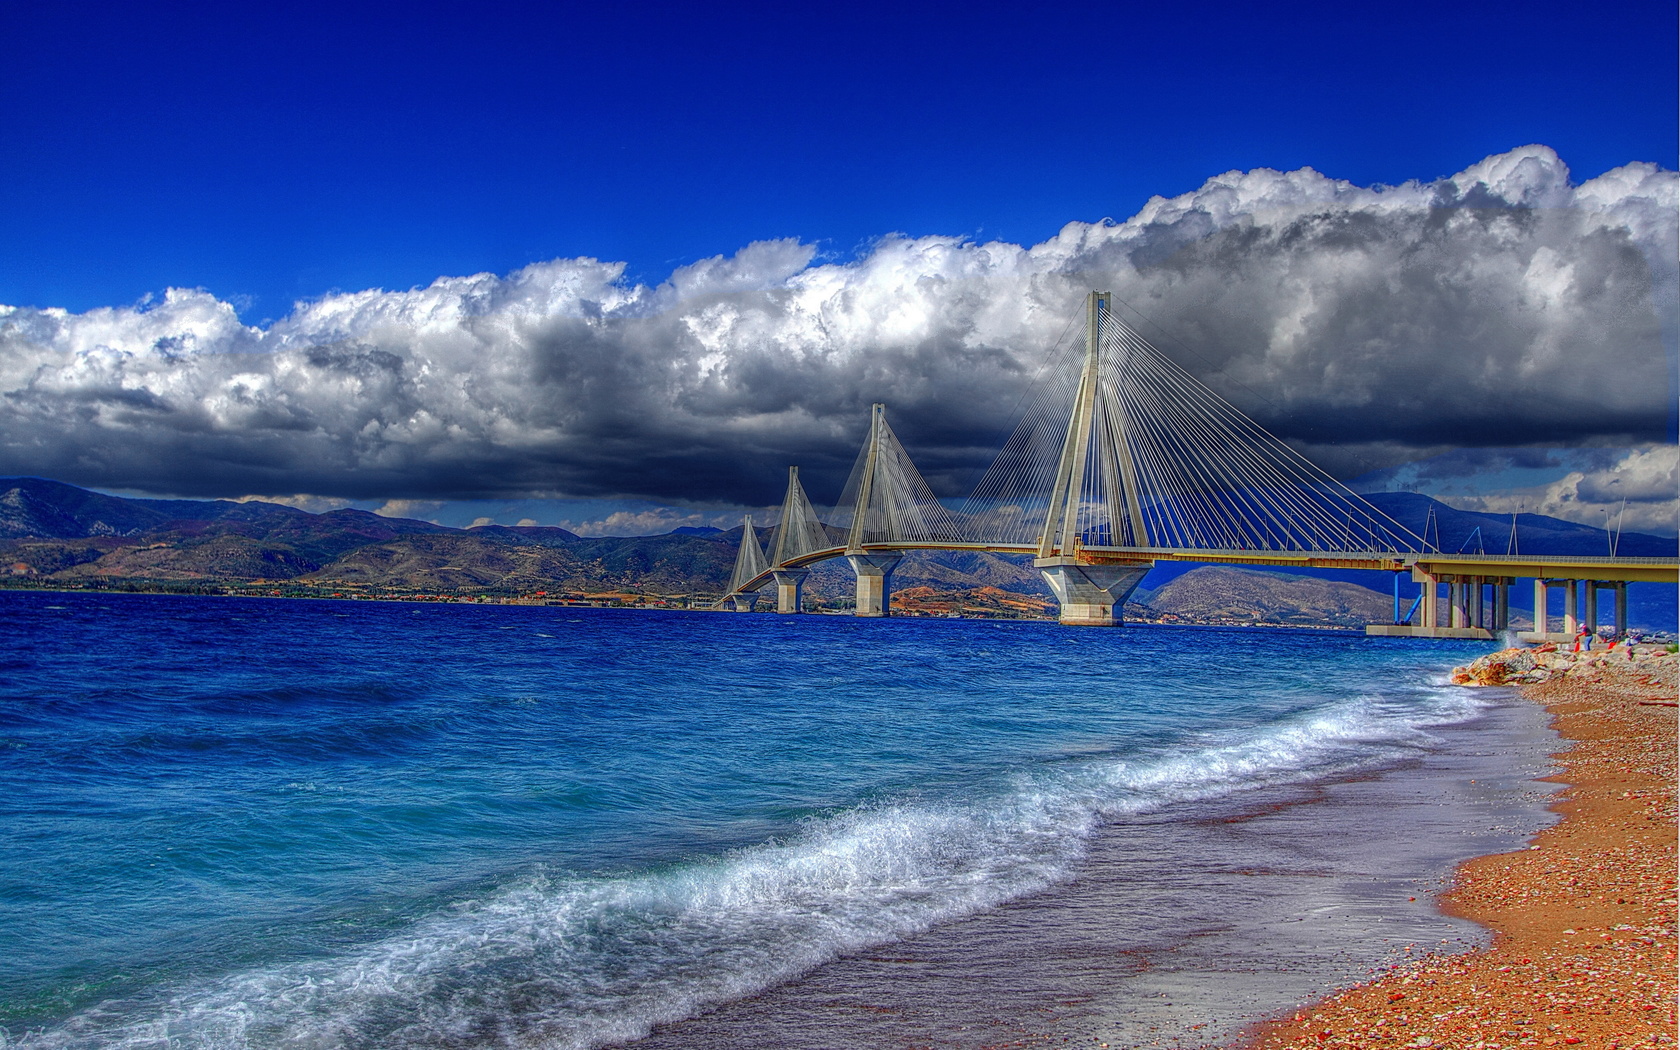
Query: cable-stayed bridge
pixel 1124 460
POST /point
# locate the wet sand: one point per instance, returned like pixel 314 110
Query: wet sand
pixel 1184 925
pixel 1583 919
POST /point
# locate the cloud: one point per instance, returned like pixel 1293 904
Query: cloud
pixel 417 509
pixel 1647 479
pixel 656 521
pixel 1369 325
pixel 301 501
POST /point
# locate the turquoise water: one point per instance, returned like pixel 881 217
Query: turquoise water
pixel 248 823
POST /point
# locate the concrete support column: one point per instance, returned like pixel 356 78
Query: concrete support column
pixel 1478 608
pixel 1592 606
pixel 874 582
pixel 790 590
pixel 1091 595
pixel 1502 604
pixel 1458 597
pixel 745 602
pixel 1541 619
pixel 1431 598
pixel 1571 607
pixel 1621 608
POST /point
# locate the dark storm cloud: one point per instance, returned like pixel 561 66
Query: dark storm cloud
pixel 1500 307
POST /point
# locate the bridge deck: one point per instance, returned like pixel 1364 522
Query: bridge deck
pixel 1574 567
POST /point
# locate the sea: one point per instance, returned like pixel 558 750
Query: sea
pixel 272 823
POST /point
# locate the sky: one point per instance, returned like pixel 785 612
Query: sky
pixel 614 266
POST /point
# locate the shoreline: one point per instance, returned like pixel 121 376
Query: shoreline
pixel 1182 926
pixel 602 607
pixel 1583 919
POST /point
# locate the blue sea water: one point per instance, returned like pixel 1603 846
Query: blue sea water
pixel 266 823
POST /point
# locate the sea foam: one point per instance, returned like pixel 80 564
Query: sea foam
pixel 552 959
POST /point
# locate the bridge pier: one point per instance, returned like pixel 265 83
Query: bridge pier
pixel 1618 590
pixel 1091 595
pixel 1467 610
pixel 874 582
pixel 1542 631
pixel 745 602
pixel 1580 609
pixel 790 590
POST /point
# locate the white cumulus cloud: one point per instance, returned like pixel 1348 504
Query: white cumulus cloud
pixel 1506 305
pixel 654 521
pixel 1640 490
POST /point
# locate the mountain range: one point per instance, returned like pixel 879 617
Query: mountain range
pixel 54 534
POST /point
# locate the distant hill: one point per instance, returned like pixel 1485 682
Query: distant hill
pixel 1456 530
pixel 43 509
pixel 536 535
pixel 56 534
pixel 1220 594
pixel 38 507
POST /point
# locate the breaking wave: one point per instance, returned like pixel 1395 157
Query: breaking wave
pixel 556 960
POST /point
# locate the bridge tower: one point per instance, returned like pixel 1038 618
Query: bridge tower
pixel 1091 590
pixel 798 533
pixel 874 571
pixel 749 565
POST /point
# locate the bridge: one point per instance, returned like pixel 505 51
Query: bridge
pixel 1127 461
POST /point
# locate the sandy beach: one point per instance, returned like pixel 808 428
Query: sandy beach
pixel 1583 919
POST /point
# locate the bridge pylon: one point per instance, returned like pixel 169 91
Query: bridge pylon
pixel 1092 591
pixel 887 504
pixel 799 533
pixel 749 565
pixel 873 571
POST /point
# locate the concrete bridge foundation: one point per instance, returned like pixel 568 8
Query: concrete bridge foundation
pixel 746 601
pixel 790 590
pixel 874 582
pixel 1091 595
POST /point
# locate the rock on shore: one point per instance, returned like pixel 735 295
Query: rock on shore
pixel 1525 666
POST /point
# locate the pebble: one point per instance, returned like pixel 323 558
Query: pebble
pixel 1584 919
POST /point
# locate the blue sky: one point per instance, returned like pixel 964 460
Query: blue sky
pixel 273 152
pixel 782 184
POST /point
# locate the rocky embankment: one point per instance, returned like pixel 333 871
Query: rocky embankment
pixel 1544 663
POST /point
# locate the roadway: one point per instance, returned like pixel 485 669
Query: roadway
pixel 1435 563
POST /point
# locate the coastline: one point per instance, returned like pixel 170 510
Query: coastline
pixel 1181 927
pixel 1185 921
pixel 1583 919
